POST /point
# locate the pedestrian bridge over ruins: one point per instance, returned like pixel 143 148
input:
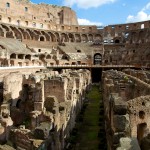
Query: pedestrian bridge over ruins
pixel 74 66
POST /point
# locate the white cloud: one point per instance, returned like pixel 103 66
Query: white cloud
pixel 140 16
pixel 87 3
pixel 147 7
pixel 88 22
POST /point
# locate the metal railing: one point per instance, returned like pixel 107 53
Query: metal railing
pixel 74 66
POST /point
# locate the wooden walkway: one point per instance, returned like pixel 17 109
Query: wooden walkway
pixel 95 66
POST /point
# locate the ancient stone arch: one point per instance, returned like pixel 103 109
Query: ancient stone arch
pixel 64 37
pixel 48 57
pixel 78 37
pixel 97 59
pixel 25 34
pixel 134 37
pixel 33 35
pixel 42 38
pixel 84 37
pixel 29 33
pixel 57 36
pixel 90 37
pixel 17 33
pixel 65 57
pixel 142 131
pixel 28 57
pixel 71 37
pixel 5 27
pixel 141 37
pixel 1 32
pixel 47 37
pixel 98 37
pixel 52 37
pixel 20 56
pixel 37 32
pixel 13 56
pixel 42 57
pixel 117 40
pixel 36 35
pixel 9 34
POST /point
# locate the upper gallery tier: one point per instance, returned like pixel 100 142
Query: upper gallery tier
pixel 16 11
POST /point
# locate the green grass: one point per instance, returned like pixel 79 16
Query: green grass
pixel 87 137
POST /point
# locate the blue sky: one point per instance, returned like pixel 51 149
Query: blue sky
pixel 104 12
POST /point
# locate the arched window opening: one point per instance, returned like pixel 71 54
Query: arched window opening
pixel 0 17
pixel 26 22
pixel 117 41
pixel 141 114
pixel 141 131
pixel 62 27
pixel 79 51
pixel 127 27
pixel 65 57
pixel 26 9
pixel 34 24
pixel 48 57
pixel 41 57
pixel 28 57
pixel 13 56
pixel 9 19
pixel 97 59
pixel 143 103
pixel 20 64
pixel 126 35
pixel 20 56
pixel 18 22
pixel 76 28
pixel 42 38
pixel 142 26
pixel 7 5
pixel 98 37
pixel 41 25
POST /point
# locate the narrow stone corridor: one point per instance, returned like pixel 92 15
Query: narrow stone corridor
pixel 89 133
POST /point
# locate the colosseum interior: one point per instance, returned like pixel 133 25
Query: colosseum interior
pixel 49 64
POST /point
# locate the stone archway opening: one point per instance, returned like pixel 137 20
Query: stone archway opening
pixel 42 38
pixel 13 56
pixel 117 41
pixel 141 131
pixel 97 59
pixel 141 114
pixel 28 57
pixel 96 74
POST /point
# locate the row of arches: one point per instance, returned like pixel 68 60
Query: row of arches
pixel 38 35
pixel 29 57
pixel 142 36
pixel 20 56
pixel 131 37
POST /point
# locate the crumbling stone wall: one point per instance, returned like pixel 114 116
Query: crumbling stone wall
pixel 126 109
pixel 42 115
